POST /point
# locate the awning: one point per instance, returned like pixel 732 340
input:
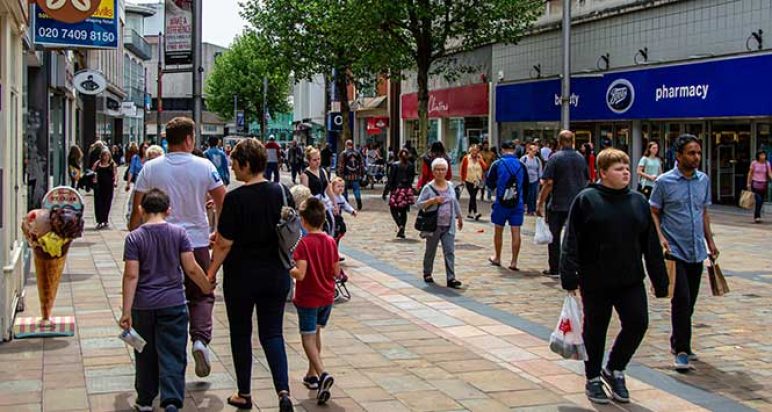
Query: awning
pixel 368 103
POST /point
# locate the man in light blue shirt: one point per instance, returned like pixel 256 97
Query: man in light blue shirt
pixel 219 159
pixel 679 205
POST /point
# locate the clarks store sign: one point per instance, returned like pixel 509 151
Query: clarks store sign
pixel 463 101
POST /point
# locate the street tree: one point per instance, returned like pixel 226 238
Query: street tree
pixel 424 35
pixel 321 37
pixel 239 72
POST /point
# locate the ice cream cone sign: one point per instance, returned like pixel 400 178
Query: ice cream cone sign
pixel 49 232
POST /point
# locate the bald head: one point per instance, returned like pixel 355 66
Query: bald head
pixel 566 138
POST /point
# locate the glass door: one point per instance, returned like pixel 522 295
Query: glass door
pixel 730 159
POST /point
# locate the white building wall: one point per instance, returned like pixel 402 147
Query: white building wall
pixel 308 99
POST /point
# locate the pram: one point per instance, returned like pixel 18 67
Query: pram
pixel 341 291
pixel 375 174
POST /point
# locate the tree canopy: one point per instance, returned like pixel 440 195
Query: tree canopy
pixel 239 72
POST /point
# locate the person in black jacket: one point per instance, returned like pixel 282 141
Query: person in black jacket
pixel 609 230
pixel 400 185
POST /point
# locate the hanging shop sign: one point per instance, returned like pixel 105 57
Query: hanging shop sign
pixel 375 125
pixel 696 90
pixel 465 101
pixel 72 25
pixel 90 82
pixel 179 32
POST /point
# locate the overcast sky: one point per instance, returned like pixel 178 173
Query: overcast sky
pixel 221 20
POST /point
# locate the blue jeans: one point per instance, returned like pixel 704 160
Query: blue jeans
pixel 164 359
pixel 533 193
pixel 272 170
pixel 354 185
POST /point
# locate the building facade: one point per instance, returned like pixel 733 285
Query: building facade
pixel 137 52
pixel 13 37
pixel 648 71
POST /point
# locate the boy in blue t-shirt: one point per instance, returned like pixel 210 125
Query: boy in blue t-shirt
pixel 154 302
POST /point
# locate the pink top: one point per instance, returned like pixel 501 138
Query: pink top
pixel 759 171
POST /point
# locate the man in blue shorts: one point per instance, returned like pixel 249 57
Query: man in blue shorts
pixel 508 176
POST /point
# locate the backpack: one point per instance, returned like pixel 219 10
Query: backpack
pixel 511 197
pixel 352 166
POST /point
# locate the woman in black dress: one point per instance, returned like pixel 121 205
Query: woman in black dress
pixel 105 179
pixel 255 280
pixel 400 185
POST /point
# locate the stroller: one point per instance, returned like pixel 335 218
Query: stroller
pixel 375 174
pixel 341 291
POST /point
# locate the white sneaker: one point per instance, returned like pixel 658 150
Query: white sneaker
pixel 201 357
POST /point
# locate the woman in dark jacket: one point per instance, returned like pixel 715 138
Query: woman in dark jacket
pixel 400 185
pixel 610 232
pixel 254 277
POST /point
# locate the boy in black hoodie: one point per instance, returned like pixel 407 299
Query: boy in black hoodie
pixel 609 230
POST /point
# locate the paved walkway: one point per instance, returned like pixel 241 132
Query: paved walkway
pixel 394 347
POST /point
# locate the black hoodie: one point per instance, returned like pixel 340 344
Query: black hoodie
pixel 607 233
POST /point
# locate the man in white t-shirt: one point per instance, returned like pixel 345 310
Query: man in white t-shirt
pixel 187 179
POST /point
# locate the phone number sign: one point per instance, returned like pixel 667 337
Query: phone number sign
pixel 100 31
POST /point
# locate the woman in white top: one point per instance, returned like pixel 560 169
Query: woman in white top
pixel 649 167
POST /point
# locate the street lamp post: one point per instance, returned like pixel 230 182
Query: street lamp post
pixel 565 100
pixel 197 66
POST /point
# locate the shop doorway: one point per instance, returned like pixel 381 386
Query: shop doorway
pixel 729 159
pixel 616 135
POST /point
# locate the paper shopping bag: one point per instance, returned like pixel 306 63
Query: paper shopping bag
pixel 670 266
pixel 747 200
pixel 718 285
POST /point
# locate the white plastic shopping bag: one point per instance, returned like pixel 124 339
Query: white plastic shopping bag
pixel 567 340
pixel 542 234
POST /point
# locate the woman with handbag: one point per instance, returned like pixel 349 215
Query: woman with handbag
pixel 759 175
pixel 439 209
pixel 649 168
pixel 473 169
pixel 400 188
pixel 255 279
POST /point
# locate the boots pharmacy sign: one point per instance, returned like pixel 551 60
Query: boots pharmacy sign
pixel 89 24
pixel 179 32
pixel 733 87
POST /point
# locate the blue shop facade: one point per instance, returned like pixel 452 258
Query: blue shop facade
pixel 725 102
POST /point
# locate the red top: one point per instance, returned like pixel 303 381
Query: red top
pixel 317 289
pixel 427 175
pixel 591 166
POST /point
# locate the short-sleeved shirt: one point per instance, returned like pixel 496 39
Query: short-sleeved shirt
pixel 249 217
pixel 186 179
pixel 533 166
pixel 135 167
pixel 220 161
pixel 317 289
pixel 682 203
pixel 273 151
pixel 546 152
pixel 650 167
pixel 568 171
pixel 157 248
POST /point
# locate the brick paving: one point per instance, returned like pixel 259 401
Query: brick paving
pixel 394 347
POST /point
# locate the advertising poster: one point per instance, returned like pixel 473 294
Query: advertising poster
pixel 179 32
pixel 94 27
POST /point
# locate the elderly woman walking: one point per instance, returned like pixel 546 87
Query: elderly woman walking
pixel 439 195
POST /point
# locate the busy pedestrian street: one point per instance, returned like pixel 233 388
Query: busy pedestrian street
pixel 398 345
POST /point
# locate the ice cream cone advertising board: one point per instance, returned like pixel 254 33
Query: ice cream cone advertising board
pixel 50 232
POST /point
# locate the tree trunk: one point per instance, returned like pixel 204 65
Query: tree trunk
pixel 341 86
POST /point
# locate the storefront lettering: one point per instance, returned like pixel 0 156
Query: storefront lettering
pixel 573 100
pixel 682 92
pixel 437 106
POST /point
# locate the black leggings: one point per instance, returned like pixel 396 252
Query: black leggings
pixel 759 196
pixel 633 310
pixel 399 214
pixel 472 189
pixel 242 297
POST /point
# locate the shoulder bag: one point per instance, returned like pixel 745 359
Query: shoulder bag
pixel 288 231
pixel 426 221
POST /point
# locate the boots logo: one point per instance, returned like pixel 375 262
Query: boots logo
pixel 620 96
pixel 69 11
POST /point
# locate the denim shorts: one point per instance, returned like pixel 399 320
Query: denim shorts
pixel 310 318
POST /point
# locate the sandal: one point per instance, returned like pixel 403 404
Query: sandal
pixel 514 268
pixel 428 278
pixel 493 262
pixel 246 404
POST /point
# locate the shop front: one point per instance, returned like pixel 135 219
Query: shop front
pixel 724 102
pixel 458 117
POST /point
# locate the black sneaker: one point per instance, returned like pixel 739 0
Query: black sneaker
pixel 454 284
pixel 311 382
pixel 285 403
pixel 325 383
pixel 595 393
pixel 615 381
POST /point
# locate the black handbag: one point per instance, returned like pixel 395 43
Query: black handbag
pixel 288 231
pixel 426 220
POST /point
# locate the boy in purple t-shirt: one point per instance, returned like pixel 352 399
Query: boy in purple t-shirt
pixel 154 302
